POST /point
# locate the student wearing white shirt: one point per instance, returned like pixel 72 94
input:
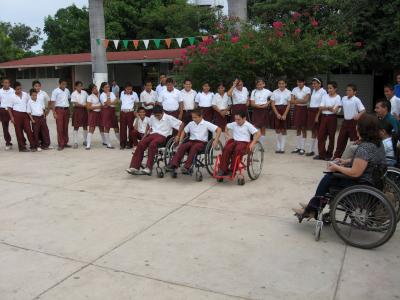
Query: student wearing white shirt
pixel 221 104
pixel 108 118
pixel 17 106
pixel 139 126
pixel 198 131
pixel 389 141
pixel 240 98
pixel 204 102
pixel 171 101
pixel 161 126
pixel 353 109
pixel 313 113
pixel 300 98
pixel 238 135
pixel 60 105
pixel 188 96
pixel 80 114
pixel 329 107
pixel 148 97
pixel 280 100
pixel 161 87
pixel 6 92
pixel 115 88
pixel 43 97
pixel 93 106
pixel 388 90
pixel 37 113
pixel 260 100
pixel 129 99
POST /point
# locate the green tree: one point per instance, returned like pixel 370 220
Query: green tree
pixel 23 36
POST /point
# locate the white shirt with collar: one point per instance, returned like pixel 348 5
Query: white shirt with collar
pixel 199 132
pixel 204 100
pixel 60 97
pixel 128 100
pixel 170 100
pixel 146 97
pixel 18 103
pixel 260 97
pixel 395 103
pixel 328 101
pixel 95 101
pixel 316 97
pixel 35 107
pixel 79 97
pixel 300 94
pixel 141 124
pixel 240 97
pixel 351 107
pixel 165 125
pixel 222 102
pixel 281 97
pixel 43 97
pixel 242 133
pixel 160 89
pixel 103 99
pixel 5 95
pixel 188 99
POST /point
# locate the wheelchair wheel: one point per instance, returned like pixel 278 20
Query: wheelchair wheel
pixel 169 151
pixel 255 161
pixel 318 228
pixel 241 181
pixel 392 193
pixel 199 176
pixel 363 217
pixel 393 174
pixel 211 155
pixel 160 173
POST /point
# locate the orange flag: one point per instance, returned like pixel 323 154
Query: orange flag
pixel 136 43
pixel 204 38
pixel 168 42
pixel 105 43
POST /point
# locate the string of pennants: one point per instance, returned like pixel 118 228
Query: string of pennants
pixel 157 42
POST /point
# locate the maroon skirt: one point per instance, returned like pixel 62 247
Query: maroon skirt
pixel 108 117
pixel 175 113
pixel 94 118
pixel 260 117
pixel 220 121
pixel 236 108
pixel 311 115
pixel 187 116
pixel 281 124
pixel 79 117
pixel 300 117
pixel 207 113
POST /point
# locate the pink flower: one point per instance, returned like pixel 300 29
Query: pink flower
pixel 184 57
pixel 184 52
pixel 358 44
pixel 279 33
pixel 177 61
pixel 203 50
pixel 295 16
pixel 235 39
pixel 332 43
pixel 277 25
pixel 297 31
pixel 192 47
pixel 320 44
pixel 314 23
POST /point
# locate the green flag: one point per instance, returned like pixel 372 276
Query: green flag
pixel 191 40
pixel 98 41
pixel 157 43
pixel 125 43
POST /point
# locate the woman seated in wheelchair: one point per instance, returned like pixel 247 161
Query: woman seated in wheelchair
pixel 390 141
pixel 159 128
pixel 198 131
pixel 238 135
pixel 367 166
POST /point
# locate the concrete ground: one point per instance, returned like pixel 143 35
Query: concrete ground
pixel 74 225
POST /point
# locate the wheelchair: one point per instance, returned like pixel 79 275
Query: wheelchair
pixel 252 162
pixel 164 155
pixel 392 188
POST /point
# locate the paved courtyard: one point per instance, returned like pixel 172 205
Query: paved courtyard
pixel 74 225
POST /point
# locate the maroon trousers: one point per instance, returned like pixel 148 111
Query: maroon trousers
pixel 41 131
pixel 5 122
pixel 135 136
pixel 208 113
pixel 126 123
pixel 151 141
pixel 347 131
pixel 190 147
pixel 62 125
pixel 22 124
pixel 174 113
pixel 232 150
pixel 327 129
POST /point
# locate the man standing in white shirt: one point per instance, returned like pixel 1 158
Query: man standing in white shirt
pixel 161 87
pixel 59 103
pixel 115 88
pixel 394 101
pixel 80 114
pixel 188 96
pixel 129 99
pixel 171 101
pixel 148 98
pixel 6 92
pixel 44 98
pixel 204 102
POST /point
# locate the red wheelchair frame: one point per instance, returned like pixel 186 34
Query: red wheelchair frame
pixel 237 171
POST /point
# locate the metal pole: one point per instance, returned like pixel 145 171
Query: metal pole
pixel 238 8
pixel 98 52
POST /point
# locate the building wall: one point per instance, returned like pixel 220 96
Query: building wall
pixel 84 74
pixel 48 84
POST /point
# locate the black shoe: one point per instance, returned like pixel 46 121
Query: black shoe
pixel 317 157
pixel 24 150
pixel 60 148
pixel 297 150
pixel 302 152
pixel 67 146
pixel 128 147
pixel 310 153
pixel 185 171
pixel 105 144
pixel 170 168
pixel 282 152
pixel 329 159
pixel 122 148
pixel 277 151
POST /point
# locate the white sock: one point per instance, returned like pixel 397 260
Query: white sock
pixel 89 140
pixel 85 134
pixel 299 142
pixel 283 141
pixel 262 139
pixel 75 136
pixel 103 137
pixel 278 141
pixel 302 143
pixel 107 139
pixel 117 136
pixel 312 144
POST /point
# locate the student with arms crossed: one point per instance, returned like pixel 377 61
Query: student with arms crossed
pixel 260 100
pixel 129 99
pixel 80 115
pixel 148 97
pixel 188 96
pixel 6 92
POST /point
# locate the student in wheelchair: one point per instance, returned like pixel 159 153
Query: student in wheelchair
pixel 367 167
pixel 198 131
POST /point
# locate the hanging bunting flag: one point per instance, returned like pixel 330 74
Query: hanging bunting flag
pixel 116 43
pixel 179 41
pixel 98 41
pixel 204 38
pixel 105 43
pixel 168 42
pixel 125 43
pixel 191 40
pixel 157 43
pixel 215 37
pixel 136 43
pixel 146 43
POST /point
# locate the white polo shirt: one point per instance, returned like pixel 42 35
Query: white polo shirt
pixel 300 94
pixel 5 95
pixel 146 97
pixel 328 101
pixel 43 97
pixel 141 124
pixel 204 100
pixel 170 100
pixel 222 102
pixel 60 97
pixel 128 100
pixel 160 89
pixel 281 97
pixel 260 97
pixel 351 107
pixel 103 98
pixel 188 99
pixel 240 97
pixel 242 133
pixel 316 97
pixel 19 103
pixel 199 132
pixel 35 108
pixel 95 101
pixel 165 125
pixel 79 98
pixel 395 102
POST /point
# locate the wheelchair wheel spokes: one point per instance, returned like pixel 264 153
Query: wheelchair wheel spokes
pixel 211 155
pixel 255 161
pixel 363 217
pixel 392 193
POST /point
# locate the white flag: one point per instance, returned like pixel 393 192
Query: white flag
pixel 179 40
pixel 146 43
pixel 116 42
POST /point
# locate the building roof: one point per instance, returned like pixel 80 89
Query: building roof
pixel 85 58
